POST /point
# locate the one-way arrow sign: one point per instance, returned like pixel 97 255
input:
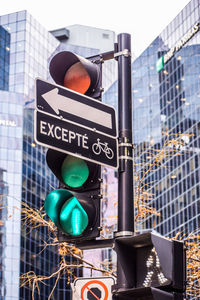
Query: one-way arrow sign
pixel 72 123
pixel 72 106
pixel 61 103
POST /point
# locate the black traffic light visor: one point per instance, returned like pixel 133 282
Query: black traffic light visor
pixel 62 61
pixel 59 65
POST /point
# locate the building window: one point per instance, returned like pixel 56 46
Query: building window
pixel 105 36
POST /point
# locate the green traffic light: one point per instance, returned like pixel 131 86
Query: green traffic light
pixel 74 171
pixel 73 218
pixel 66 212
pixel 53 204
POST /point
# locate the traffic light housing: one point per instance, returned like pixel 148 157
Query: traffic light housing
pixel 77 73
pixel 75 206
pixel 149 261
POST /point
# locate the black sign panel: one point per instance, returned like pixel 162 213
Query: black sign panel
pixel 72 106
pixel 74 139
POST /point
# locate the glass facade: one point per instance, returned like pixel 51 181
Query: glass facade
pixel 37 182
pixel 166 108
pixel 3 217
pixel 25 51
pixel 11 128
pixel 4 58
pixel 30 47
pixel 166 115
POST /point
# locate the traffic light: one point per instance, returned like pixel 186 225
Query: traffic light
pixel 149 261
pixel 77 73
pixel 75 206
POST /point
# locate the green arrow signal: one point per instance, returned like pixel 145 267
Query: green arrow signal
pixel 66 212
pixel 73 218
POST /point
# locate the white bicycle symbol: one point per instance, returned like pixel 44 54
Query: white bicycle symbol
pixel 98 147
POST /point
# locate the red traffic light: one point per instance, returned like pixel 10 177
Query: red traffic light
pixel 76 73
pixel 77 79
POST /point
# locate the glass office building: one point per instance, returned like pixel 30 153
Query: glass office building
pixel 25 51
pixel 4 58
pixel 29 49
pixel 166 101
pixel 166 106
pixel 11 128
pixel 37 182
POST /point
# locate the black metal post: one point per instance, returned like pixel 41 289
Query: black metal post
pixel 125 179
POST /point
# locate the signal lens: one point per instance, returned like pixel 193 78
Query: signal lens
pixel 74 171
pixel 66 212
pixel 77 78
pixel 73 218
pixel 54 202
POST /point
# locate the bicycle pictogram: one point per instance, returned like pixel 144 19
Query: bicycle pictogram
pixel 99 146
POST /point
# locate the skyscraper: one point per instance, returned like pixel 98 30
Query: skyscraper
pixel 166 115
pixel 166 107
pixel 25 51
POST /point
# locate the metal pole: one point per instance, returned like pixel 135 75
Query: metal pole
pixel 125 178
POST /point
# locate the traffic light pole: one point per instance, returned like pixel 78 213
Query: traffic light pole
pixel 125 175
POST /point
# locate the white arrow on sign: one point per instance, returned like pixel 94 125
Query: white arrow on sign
pixel 59 102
